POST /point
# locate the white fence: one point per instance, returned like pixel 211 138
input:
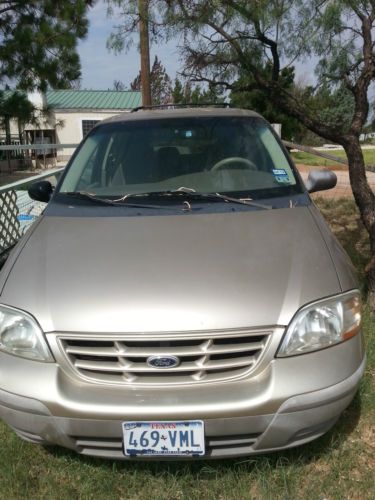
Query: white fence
pixel 17 210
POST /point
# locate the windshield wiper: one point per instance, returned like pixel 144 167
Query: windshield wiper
pixel 192 193
pixel 84 195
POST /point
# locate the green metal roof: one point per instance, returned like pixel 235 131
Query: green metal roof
pixel 93 99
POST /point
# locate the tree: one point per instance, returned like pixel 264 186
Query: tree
pixel 257 100
pixel 224 38
pixel 15 105
pixel 221 39
pixel 189 94
pixel 118 85
pixel 178 92
pixel 161 84
pixel 136 83
pixel 127 16
pixel 38 42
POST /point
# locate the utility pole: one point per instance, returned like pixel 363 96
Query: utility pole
pixel 145 52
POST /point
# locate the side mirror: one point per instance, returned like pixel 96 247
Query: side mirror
pixel 41 191
pixel 320 180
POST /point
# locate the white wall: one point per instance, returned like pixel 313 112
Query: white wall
pixel 71 132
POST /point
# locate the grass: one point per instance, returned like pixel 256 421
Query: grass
pixel 312 160
pixel 339 465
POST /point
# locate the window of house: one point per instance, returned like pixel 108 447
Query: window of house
pixel 87 125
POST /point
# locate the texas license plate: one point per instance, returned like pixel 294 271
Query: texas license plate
pixel 158 438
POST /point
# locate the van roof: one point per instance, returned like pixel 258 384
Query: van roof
pixel 157 113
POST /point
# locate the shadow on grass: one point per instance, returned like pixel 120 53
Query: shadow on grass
pixel 299 456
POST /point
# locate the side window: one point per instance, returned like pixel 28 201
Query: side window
pixel 87 125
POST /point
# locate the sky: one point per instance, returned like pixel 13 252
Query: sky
pixel 100 67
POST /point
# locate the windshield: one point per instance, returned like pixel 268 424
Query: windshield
pixel 209 155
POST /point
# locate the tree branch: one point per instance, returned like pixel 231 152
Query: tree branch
pixel 363 82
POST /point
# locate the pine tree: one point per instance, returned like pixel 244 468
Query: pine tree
pixel 161 83
pixel 186 94
pixel 178 94
pixel 38 42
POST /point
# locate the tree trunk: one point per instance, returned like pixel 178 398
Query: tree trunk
pixel 20 131
pixel 8 139
pixel 144 45
pixel 365 200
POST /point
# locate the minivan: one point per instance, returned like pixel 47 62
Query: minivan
pixel 180 296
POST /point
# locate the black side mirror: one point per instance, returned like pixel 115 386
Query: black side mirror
pixel 41 191
pixel 320 180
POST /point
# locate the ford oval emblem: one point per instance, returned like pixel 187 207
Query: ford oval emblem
pixel 163 361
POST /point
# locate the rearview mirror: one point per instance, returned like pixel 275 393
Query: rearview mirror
pixel 41 191
pixel 320 180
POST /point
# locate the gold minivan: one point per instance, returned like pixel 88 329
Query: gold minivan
pixel 180 296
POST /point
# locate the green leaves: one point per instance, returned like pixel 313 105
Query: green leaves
pixel 161 84
pixel 38 41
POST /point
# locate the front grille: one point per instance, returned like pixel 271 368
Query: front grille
pixel 202 357
pixel 218 446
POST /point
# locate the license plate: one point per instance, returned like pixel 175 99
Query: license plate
pixel 157 438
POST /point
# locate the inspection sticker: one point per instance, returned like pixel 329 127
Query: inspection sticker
pixel 280 175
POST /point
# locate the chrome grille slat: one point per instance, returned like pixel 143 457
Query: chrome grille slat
pixel 92 351
pixel 144 368
pixel 165 351
pixel 123 359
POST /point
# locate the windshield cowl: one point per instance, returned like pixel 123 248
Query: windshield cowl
pixel 181 193
pixel 191 193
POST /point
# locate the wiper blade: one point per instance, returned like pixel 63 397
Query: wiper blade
pixel 84 195
pixel 224 197
pixel 192 193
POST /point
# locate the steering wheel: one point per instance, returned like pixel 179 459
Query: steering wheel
pixel 234 159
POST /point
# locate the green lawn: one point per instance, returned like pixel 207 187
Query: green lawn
pixel 311 160
pixel 339 465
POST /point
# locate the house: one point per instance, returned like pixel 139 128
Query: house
pixel 75 112
pixel 71 115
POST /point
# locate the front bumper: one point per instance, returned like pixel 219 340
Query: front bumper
pixel 292 401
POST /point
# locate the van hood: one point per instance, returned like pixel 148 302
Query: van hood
pixel 171 272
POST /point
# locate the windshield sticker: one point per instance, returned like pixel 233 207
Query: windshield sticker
pixel 281 175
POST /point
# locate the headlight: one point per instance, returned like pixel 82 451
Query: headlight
pixel 21 335
pixel 322 324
